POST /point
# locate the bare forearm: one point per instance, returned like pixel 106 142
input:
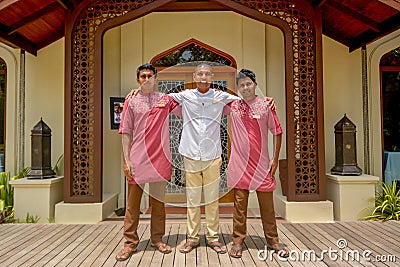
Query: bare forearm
pixel 277 146
pixel 126 145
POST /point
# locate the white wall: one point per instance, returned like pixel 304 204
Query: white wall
pixel 112 150
pixel 44 94
pixel 342 94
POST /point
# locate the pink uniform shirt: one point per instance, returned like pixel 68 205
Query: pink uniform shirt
pixel 249 160
pixel 145 117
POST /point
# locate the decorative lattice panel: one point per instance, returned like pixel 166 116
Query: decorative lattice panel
pixel 305 119
pixel 84 91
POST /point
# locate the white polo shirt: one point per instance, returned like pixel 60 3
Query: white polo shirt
pixel 201 135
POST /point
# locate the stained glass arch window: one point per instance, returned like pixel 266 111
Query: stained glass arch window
pixel 391 59
pixel 191 52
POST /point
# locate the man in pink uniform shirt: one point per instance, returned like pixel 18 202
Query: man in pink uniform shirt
pixel 250 167
pixel 145 159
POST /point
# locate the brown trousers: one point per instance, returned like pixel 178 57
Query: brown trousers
pixel 266 204
pixel 131 221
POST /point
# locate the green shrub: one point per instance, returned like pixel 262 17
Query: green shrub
pixel 7 195
pixel 6 192
pixel 387 203
pixel 6 216
pixel 30 219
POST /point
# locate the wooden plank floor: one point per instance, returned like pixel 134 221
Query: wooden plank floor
pixel 310 244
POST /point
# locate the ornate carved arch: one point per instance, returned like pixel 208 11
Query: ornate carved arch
pixel 301 25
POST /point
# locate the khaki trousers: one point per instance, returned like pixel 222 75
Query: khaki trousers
pixel 206 175
pixel 132 212
pixel 266 204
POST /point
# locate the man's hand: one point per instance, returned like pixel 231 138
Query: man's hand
pixel 129 171
pixel 272 168
pixel 132 93
pixel 271 102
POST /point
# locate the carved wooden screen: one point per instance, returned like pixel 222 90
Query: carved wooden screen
pixel 83 119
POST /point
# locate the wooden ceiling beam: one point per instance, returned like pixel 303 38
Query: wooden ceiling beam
pixel 58 34
pixel 388 26
pixel 65 4
pixel 6 3
pixel 191 6
pixel 17 40
pixel 318 3
pixel 392 3
pixel 33 17
pixel 373 25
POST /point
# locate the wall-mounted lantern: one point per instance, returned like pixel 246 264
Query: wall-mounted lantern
pixel 345 148
pixel 41 152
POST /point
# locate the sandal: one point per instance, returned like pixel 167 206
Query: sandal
pixel 162 247
pixel 280 249
pixel 216 244
pixel 189 246
pixel 235 252
pixel 124 254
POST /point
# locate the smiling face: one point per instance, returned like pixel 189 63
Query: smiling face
pixel 247 88
pixel 146 80
pixel 203 76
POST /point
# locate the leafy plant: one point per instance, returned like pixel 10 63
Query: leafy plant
pixel 7 195
pixel 22 174
pixel 6 216
pixel 387 203
pixel 57 167
pixel 6 198
pixel 30 219
pixel 6 192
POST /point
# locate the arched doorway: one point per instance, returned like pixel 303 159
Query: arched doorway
pixel 390 95
pixel 301 25
pixel 175 69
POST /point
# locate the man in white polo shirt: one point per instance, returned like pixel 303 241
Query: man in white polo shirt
pixel 201 147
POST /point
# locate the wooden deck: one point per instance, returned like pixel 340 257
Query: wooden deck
pixel 96 245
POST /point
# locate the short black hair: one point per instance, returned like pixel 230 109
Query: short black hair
pixel 146 66
pixel 245 73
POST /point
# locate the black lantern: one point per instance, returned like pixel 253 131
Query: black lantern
pixel 41 152
pixel 345 148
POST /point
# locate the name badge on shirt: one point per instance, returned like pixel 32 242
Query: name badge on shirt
pixel 215 101
pixel 256 116
pixel 161 105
